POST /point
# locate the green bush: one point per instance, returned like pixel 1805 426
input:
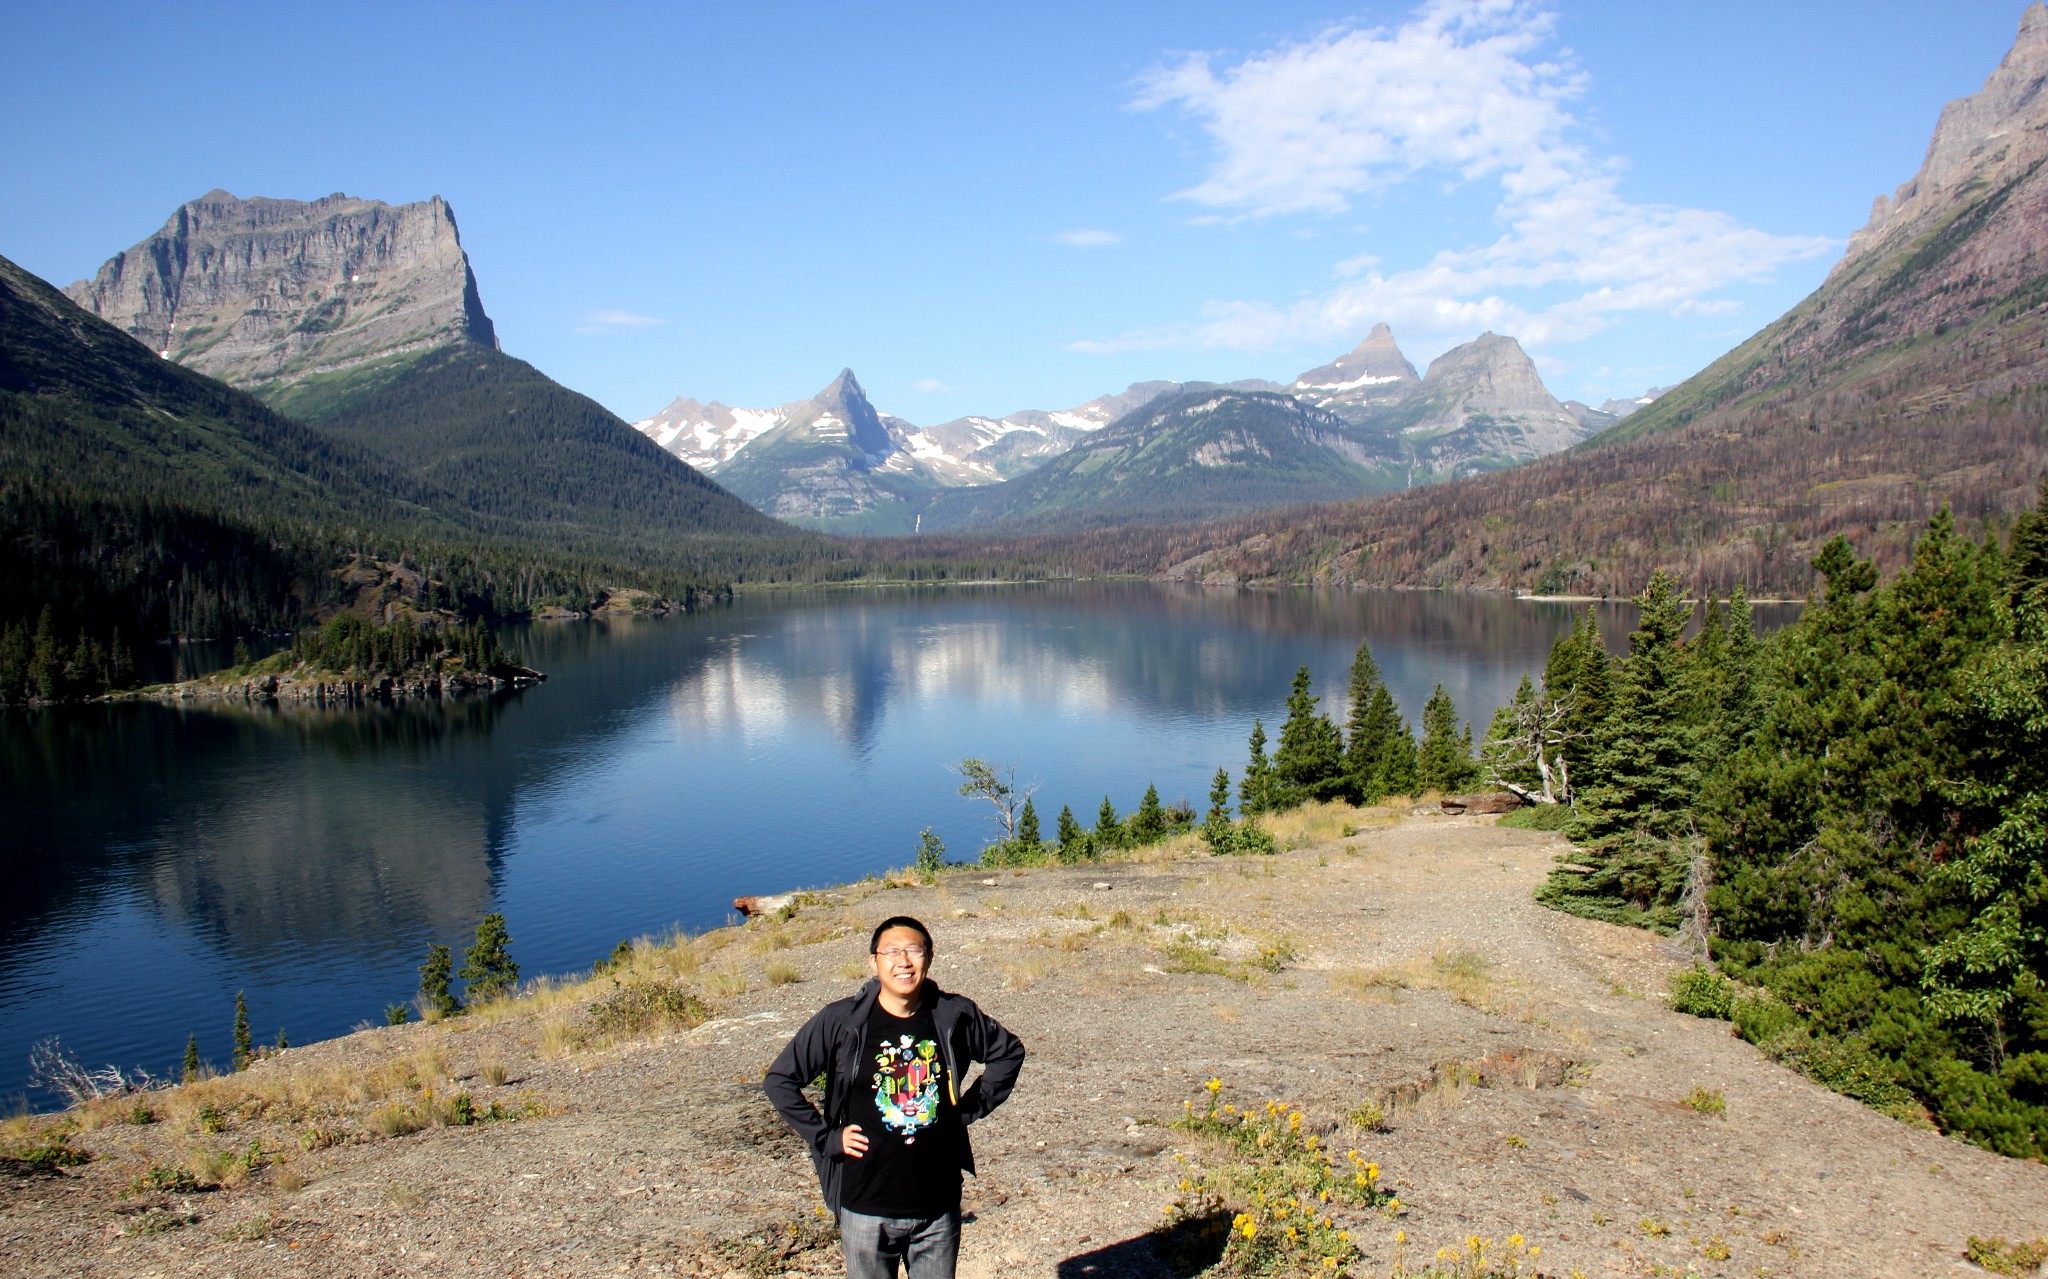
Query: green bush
pixel 1538 817
pixel 1702 992
pixel 637 1007
pixel 1761 1018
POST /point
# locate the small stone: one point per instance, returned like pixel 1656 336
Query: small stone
pixel 1099 884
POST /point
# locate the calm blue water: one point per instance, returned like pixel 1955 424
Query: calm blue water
pixel 159 860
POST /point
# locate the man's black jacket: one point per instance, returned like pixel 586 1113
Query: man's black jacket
pixel 830 1044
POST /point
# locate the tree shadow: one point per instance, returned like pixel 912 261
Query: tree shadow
pixel 1187 1247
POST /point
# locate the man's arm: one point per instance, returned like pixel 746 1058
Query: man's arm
pixel 1001 1055
pixel 807 1055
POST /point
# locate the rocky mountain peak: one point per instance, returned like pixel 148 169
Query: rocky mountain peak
pixel 1375 362
pixel 1493 372
pixel 264 292
pixel 1990 138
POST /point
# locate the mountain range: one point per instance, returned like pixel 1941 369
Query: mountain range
pixel 1911 379
pixel 1364 423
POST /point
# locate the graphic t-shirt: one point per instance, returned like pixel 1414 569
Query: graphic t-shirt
pixel 904 1106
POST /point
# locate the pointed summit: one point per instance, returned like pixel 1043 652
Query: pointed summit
pixel 1376 362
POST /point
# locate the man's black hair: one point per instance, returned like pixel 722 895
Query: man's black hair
pixel 900 921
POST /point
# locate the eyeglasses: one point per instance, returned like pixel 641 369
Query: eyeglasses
pixel 902 952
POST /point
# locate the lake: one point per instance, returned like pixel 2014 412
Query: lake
pixel 159 859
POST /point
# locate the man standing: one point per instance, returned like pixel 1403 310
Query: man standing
pixel 892 1140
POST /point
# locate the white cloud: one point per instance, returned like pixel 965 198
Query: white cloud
pixel 1462 92
pixel 615 321
pixel 1086 239
pixel 931 386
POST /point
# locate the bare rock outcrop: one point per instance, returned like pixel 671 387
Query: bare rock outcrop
pixel 264 293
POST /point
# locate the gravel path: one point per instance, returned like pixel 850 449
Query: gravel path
pixel 1417 960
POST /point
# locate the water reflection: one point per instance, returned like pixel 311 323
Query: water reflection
pixel 159 859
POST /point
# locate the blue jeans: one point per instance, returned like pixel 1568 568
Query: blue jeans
pixel 926 1247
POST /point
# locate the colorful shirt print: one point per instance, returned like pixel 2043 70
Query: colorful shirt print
pixel 906 1082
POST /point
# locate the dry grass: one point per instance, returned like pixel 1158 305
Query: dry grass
pixel 1024 973
pixel 1370 985
pixel 1311 824
pixel 729 981
pixel 559 1036
pixel 493 1073
pixel 780 972
pixel 289 1181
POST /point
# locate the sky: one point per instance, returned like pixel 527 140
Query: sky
pixel 981 209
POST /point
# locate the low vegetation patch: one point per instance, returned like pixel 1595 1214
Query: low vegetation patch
pixel 647 1007
pixel 1260 1193
pixel 2002 1258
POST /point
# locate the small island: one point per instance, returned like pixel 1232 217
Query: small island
pixel 354 659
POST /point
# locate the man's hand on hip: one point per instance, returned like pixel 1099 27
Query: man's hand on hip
pixel 853 1141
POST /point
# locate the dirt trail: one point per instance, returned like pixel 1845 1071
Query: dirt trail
pixel 1416 944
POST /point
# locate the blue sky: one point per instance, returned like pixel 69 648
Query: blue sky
pixel 988 208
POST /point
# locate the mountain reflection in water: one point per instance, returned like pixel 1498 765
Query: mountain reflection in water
pixel 160 859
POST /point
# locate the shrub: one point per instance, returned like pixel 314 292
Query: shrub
pixel 1761 1018
pixel 488 970
pixel 1538 817
pixel 1707 1101
pixel 638 1007
pixel 2002 1258
pixel 1701 992
pixel 931 854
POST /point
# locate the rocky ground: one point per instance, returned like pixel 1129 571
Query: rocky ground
pixel 1532 1078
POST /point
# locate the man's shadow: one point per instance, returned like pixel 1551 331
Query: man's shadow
pixel 1185 1248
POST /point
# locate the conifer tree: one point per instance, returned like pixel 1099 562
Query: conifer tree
pixel 188 1069
pixel 1508 756
pixel 1069 829
pixel 1148 824
pixel 1027 827
pixel 488 970
pixel 1579 674
pixel 1309 762
pixel 1109 828
pixel 1444 760
pixel 1255 791
pixel 1397 764
pixel 244 1046
pixel 434 978
pixel 1219 798
pixel 1367 727
pixel 1647 777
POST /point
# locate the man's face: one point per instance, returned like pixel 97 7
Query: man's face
pixel 901 960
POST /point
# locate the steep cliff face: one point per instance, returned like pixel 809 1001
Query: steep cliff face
pixel 265 293
pixel 1988 140
pixel 829 458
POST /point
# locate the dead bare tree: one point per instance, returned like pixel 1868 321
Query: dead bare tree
pixel 1538 741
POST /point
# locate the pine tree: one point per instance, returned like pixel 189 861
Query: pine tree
pixel 1076 844
pixel 1370 730
pixel 1579 674
pixel 1397 765
pixel 435 975
pixel 244 1047
pixel 1027 826
pixel 488 970
pixel 1219 798
pixel 1444 760
pixel 1148 824
pixel 1255 791
pixel 1109 828
pixel 1647 777
pixel 931 854
pixel 188 1070
pixel 1309 763
pixel 1506 756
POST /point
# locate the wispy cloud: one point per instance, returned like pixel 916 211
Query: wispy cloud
pixel 1087 239
pixel 931 386
pixel 1465 91
pixel 614 321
